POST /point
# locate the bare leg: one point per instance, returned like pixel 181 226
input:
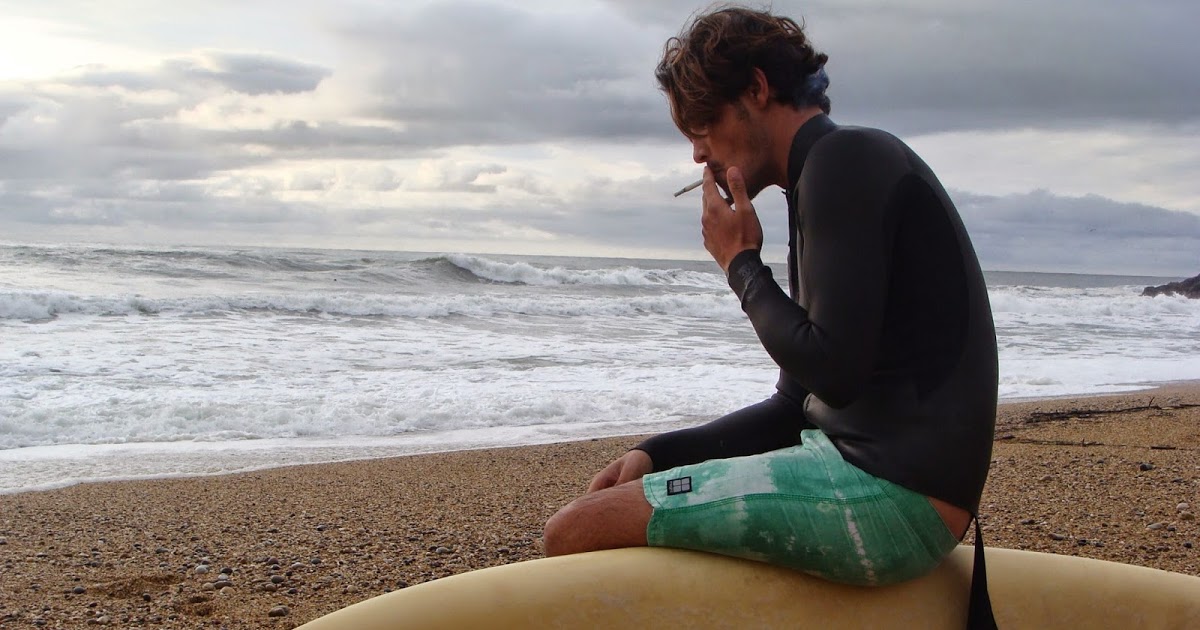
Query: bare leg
pixel 607 519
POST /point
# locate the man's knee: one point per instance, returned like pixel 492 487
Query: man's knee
pixel 608 519
pixel 557 534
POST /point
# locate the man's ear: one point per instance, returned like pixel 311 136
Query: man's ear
pixel 759 90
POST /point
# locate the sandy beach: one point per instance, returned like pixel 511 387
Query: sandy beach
pixel 1115 478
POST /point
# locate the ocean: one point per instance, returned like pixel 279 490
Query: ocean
pixel 128 362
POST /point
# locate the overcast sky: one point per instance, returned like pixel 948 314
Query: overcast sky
pixel 1068 132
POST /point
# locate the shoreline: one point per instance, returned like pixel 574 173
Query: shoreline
pixel 405 446
pixel 1098 476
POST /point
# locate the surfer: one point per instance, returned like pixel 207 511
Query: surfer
pixel 867 464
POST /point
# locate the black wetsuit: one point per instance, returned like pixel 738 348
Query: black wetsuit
pixel 887 344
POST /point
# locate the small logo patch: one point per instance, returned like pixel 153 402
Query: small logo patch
pixel 679 486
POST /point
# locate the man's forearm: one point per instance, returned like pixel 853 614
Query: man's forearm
pixel 772 424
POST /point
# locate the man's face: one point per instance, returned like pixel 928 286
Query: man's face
pixel 736 138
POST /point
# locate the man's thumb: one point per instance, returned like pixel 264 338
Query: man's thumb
pixel 737 188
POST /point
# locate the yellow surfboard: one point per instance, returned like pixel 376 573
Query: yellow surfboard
pixel 668 588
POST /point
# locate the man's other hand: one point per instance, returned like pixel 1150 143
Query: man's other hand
pixel 632 465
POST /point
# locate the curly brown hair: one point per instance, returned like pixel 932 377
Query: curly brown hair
pixel 712 61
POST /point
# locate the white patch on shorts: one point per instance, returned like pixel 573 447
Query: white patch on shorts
pixel 859 547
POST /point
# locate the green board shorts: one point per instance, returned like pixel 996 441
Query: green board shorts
pixel 802 507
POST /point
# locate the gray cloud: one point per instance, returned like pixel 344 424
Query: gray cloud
pixel 466 179
pixel 244 73
pixel 164 205
pixel 74 127
pixel 1063 64
pixel 511 75
pixel 108 147
pixel 1039 230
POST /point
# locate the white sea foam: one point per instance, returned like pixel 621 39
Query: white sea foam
pixel 40 305
pixel 270 357
pixel 525 273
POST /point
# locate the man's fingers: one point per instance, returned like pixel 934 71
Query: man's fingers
pixel 737 188
pixel 710 184
pixel 710 188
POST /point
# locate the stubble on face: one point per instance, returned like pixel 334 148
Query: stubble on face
pixel 755 145
pixel 741 141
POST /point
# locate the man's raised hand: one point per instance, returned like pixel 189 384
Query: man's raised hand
pixel 727 230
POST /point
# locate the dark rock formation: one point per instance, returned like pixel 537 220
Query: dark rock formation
pixel 1188 288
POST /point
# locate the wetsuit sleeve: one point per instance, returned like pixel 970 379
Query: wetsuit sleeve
pixel 830 346
pixel 769 425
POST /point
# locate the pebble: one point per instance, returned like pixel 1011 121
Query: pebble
pixel 79 590
pixel 277 579
pixel 201 569
pixel 1057 537
pixel 208 587
pixel 1187 545
pixel 197 599
pixel 443 550
pixel 278 611
pixel 296 566
pixel 1182 507
pixel 220 584
pixel 1028 521
pixel 270 588
pixel 1082 542
pixel 1154 526
pixel 1145 467
pixel 3 541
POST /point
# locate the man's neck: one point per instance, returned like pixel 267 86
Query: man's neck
pixel 782 128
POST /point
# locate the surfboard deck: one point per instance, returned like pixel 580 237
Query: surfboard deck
pixel 669 588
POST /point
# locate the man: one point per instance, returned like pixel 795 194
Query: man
pixel 867 464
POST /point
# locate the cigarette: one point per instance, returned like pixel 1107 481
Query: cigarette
pixel 690 187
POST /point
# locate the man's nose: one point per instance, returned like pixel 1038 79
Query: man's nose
pixel 699 151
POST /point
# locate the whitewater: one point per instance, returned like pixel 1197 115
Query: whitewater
pixel 120 363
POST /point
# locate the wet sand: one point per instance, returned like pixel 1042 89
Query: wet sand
pixel 1115 478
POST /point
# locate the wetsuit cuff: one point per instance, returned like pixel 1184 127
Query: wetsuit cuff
pixel 747 274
